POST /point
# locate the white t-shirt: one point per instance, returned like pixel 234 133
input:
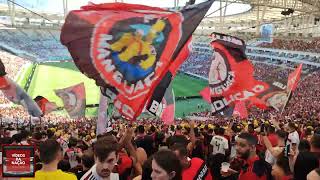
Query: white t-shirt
pixel 270 158
pixel 93 175
pixel 220 144
pixel 293 138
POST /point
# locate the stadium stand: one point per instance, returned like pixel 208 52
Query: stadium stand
pixel 36 45
pixel 295 45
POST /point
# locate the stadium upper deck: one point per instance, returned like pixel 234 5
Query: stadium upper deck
pixel 36 37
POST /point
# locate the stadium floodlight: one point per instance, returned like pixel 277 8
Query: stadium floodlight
pixel 287 12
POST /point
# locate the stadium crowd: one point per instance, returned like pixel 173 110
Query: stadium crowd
pixel 198 64
pixel 257 148
pixel 40 45
pixel 263 146
pixel 295 45
pixel 13 65
pixel 266 145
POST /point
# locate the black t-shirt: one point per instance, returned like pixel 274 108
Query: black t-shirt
pixel 198 150
pixel 146 142
pixel 207 139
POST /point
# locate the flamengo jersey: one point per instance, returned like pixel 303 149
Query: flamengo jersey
pixel 220 144
pixel 198 170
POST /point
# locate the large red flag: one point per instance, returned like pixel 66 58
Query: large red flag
pixel 231 74
pixel 240 110
pixel 294 78
pixel 74 100
pixel 131 51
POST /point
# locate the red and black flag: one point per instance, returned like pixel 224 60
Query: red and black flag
pixel 45 105
pixel 131 51
pixel 231 74
pixel 275 95
pixel 3 81
pixel 279 92
pixel 74 100
pixel 294 78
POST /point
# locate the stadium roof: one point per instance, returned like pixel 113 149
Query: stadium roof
pixel 50 8
pixel 247 18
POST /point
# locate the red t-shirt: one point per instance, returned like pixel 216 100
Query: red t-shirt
pixel 124 166
pixel 247 173
pixel 197 169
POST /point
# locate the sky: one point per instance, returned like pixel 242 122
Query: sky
pixel 56 6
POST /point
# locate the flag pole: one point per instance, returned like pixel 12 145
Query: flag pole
pixel 285 104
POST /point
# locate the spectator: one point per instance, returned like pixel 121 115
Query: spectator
pixel 304 146
pixel 17 139
pixel 293 137
pixel 304 164
pixel 146 170
pixel 314 175
pixel 73 153
pixel 166 166
pixel 106 157
pixel 24 137
pixel 273 153
pixel 315 145
pixel 87 161
pixel 219 143
pixel 50 155
pixel 281 169
pixel 144 141
pixel 214 163
pixel 253 167
pixel 194 168
pixel 64 165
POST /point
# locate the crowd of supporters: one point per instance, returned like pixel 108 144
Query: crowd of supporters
pixel 148 149
pixel 266 145
pixel 295 45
